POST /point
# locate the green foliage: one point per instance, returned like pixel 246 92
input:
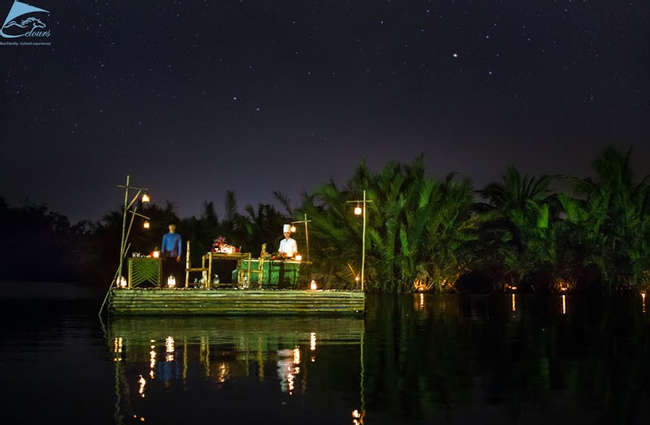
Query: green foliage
pixel 421 233
pixel 419 230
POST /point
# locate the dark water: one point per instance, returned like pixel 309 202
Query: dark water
pixel 412 360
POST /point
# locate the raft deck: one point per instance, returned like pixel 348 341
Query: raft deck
pixel 233 302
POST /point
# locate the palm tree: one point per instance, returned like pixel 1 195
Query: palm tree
pixel 520 228
pixel 416 228
pixel 611 212
pixel 261 226
pixel 437 239
pixel 335 247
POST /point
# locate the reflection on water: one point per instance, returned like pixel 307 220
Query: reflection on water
pixel 507 359
pixel 414 359
pixel 233 367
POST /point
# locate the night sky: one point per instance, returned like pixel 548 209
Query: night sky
pixel 193 98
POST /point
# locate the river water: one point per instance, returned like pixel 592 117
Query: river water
pixel 416 359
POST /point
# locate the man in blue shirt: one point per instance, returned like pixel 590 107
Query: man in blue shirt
pixel 171 251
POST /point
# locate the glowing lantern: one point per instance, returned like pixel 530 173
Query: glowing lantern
pixel 121 282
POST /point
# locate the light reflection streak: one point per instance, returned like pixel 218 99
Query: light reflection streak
pixel 288 368
pixel 118 346
pixel 563 304
pixel 169 349
pixel 643 302
pixel 514 304
pixel 204 353
pixel 143 384
pixel 238 359
pixel 152 360
pixel 312 341
pixel 222 372
pixel 357 417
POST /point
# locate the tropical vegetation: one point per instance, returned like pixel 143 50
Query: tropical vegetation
pixel 421 233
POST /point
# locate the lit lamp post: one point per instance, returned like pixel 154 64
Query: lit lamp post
pixel 127 205
pixel 360 209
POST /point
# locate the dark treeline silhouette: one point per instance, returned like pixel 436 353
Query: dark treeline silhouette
pixel 421 234
pixel 38 244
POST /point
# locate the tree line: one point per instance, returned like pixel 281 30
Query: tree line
pixel 422 234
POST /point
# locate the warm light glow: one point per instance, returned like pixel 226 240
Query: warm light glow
pixel 145 198
pixel 121 282
pixel 358 210
pixel 118 343
pixel 152 361
pixel 643 299
pixel 288 368
pixel 290 383
pixel 313 285
pixel 293 229
pixel 312 341
pixel 171 281
pixel 298 257
pixel 223 372
pixel 146 224
pixel 143 384
pixel 155 254
pixel 563 304
pixel 514 304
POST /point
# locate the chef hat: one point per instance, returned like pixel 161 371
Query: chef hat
pixel 286 228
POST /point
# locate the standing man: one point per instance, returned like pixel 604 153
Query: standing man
pixel 288 246
pixel 171 250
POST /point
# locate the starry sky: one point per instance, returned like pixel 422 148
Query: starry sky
pixel 194 98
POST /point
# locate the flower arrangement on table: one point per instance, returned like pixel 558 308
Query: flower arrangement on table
pixel 220 245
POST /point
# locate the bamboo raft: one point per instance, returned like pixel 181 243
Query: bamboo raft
pixel 233 302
